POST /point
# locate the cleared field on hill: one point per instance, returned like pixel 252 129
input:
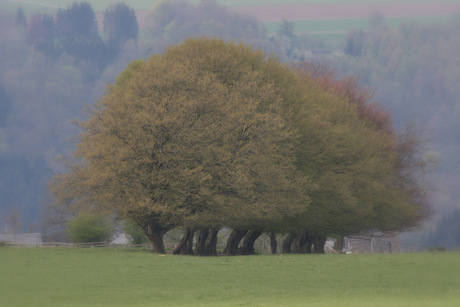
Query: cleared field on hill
pixel 121 277
pixel 326 20
pixel 100 5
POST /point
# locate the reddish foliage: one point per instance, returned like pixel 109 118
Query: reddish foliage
pixel 349 89
pixel 409 165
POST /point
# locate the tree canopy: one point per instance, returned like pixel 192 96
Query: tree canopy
pixel 412 69
pixel 214 134
pixel 194 137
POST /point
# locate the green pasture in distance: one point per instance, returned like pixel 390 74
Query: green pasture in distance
pixel 50 6
pixel 281 2
pixel 127 277
pixel 336 29
pixel 329 30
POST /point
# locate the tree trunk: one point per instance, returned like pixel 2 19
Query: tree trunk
pixel 185 246
pixel 300 243
pixel 155 233
pixel 319 243
pixel 308 245
pixel 304 243
pixel 248 242
pixel 233 241
pixel 295 245
pixel 190 243
pixel 338 245
pixel 287 243
pixel 211 242
pixel 200 247
pixel 273 243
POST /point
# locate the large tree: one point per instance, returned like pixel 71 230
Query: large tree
pixel 214 134
pixel 196 138
pixel 364 170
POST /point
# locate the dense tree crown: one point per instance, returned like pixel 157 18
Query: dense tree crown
pixel 412 68
pixel 214 134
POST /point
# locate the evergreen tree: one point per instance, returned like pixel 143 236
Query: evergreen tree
pixel 21 18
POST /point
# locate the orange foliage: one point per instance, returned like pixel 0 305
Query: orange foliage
pixel 349 89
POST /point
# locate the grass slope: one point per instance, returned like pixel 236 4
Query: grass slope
pixel 112 277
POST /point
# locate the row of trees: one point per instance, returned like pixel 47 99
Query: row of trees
pixel 173 21
pixel 43 91
pixel 213 134
pixel 74 31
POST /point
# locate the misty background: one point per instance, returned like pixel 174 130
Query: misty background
pixel 53 66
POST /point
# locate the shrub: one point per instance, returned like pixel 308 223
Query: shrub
pixel 437 249
pixel 88 228
pixel 134 233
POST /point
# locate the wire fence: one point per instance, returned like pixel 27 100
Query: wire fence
pixel 80 245
pixel 262 245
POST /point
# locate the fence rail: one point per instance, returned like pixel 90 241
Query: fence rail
pixel 82 245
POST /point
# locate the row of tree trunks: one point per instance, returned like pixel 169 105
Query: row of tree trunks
pixel 247 247
pixel 155 233
pixel 233 241
pixel 286 247
pixel 185 246
pixel 303 244
pixel 206 242
pixel 338 245
pixel 273 242
pixel 248 237
pixel 319 243
pixel 211 242
pixel 200 246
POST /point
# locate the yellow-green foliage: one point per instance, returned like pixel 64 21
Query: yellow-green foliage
pixel 353 166
pixel 214 133
pixel 193 137
pixel 87 228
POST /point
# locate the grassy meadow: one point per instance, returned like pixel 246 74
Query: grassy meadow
pixel 127 277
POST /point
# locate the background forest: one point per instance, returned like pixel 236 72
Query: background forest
pixel 54 65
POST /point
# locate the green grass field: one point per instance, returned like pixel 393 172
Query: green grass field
pixel 123 277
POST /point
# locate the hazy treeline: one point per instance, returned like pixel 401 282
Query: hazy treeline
pixel 51 67
pixel 415 72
